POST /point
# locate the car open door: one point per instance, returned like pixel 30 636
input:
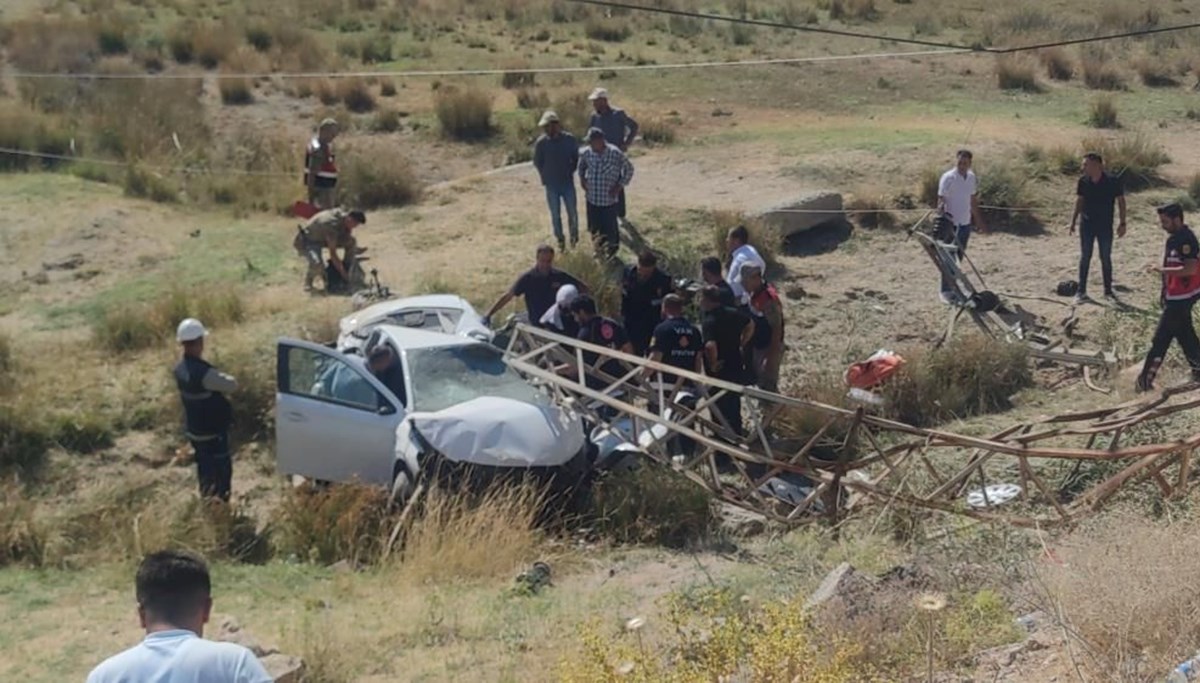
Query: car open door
pixel 334 421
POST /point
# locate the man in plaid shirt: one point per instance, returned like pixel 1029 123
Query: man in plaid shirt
pixel 604 171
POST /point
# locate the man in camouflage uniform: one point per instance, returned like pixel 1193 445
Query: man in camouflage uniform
pixel 333 230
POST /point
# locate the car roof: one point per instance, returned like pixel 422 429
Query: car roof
pixel 383 309
pixel 411 338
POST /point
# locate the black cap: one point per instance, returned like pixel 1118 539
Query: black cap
pixel 584 304
pixel 359 216
pixel 1173 210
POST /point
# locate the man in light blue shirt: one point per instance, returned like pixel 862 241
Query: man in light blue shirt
pixel 174 595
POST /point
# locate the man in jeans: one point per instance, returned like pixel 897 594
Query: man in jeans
pixel 556 156
pixel 1095 195
pixel 604 171
pixel 958 201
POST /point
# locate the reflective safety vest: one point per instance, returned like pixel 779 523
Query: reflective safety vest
pixel 327 173
pixel 205 413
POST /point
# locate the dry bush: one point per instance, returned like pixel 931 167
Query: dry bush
pixel 52 45
pixel 651 504
pixel 1016 73
pixel 1058 160
pixel 239 91
pixel 971 375
pixel 326 91
pixel 343 522
pixel 139 325
pixel 24 439
pixel 533 100
pixel 611 30
pixel 142 183
pixel 386 121
pixel 213 42
pixel 1058 64
pixel 1156 72
pixel 574 113
pixel 376 177
pixel 599 276
pixel 254 401
pixel 798 13
pixel 869 210
pixel 8 362
pixel 1101 73
pixel 25 129
pixel 459 536
pixel 1006 184
pixel 857 10
pixel 659 131
pixel 356 95
pixel 236 91
pixel 1103 113
pixel 465 114
pixel 387 88
pixel 22 536
pixel 375 48
pixel 518 80
pixel 1136 158
pixel 1129 17
pixel 1125 588
pixel 138 119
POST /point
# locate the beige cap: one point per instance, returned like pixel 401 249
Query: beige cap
pixel 598 94
pixel 548 118
pixel 329 122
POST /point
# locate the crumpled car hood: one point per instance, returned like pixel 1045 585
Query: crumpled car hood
pixel 501 432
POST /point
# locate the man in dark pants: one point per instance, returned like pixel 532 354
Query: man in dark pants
pixel 726 333
pixel 710 274
pixel 1181 287
pixel 604 171
pixel 642 290
pixel 207 413
pixel 1096 193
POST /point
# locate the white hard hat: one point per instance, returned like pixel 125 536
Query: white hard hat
pixel 190 330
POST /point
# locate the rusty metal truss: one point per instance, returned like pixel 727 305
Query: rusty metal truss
pixel 835 461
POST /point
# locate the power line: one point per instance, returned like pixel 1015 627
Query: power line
pixel 125 164
pixel 486 72
pixel 1096 39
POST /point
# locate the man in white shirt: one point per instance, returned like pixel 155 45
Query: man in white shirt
pixel 958 200
pixel 174 595
pixel 741 254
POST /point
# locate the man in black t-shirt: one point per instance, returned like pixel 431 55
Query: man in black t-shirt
pixel 642 290
pixel 538 285
pixel 676 341
pixel 710 273
pixel 1096 194
pixel 726 332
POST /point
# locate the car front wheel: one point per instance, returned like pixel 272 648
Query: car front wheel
pixel 402 488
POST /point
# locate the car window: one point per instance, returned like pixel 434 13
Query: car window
pixel 440 319
pixel 325 377
pixel 447 376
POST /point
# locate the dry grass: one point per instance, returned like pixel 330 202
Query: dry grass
pixel 1016 73
pixel 1101 73
pixel 465 114
pixel 137 326
pixel 1133 625
pixel 344 522
pixel 971 375
pixel 659 130
pixel 1156 72
pixel 1103 113
pixel 652 505
pixel 612 30
pixel 1136 157
pixel 24 128
pixel 379 176
pixel 600 278
pixel 853 10
pixel 869 209
pixel 22 539
pixel 1057 63
pixel 355 94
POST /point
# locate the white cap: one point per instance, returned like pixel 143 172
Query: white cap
pixel 566 294
pixel 190 330
pixel 548 117
pixel 598 94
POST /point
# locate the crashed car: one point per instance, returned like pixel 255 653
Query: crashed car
pixel 445 313
pixel 451 405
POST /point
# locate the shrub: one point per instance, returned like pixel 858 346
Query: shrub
pixel 327 92
pixel 971 375
pixel 1104 113
pixel 136 120
pixel 464 114
pixel 1136 158
pixel 1058 64
pixel 254 401
pixel 1100 73
pixel 651 504
pixel 113 36
pixel 1155 73
pixel 376 48
pixel 214 42
pixel 518 80
pixel 374 178
pixel 343 522
pixel 236 91
pixel 259 36
pixel 145 184
pixel 387 88
pixel 126 328
pixel 82 433
pixel 860 10
pixel 659 131
pixel 1015 73
pixel 870 211
pixel 52 45
pixel 764 238
pixel 356 95
pixel 386 121
pixel 137 326
pixel 24 439
pixel 180 43
pixel 23 128
pixel 797 13
pixel 574 113
pixel 22 537
pixel 1054 161
pixel 533 100
pixel 608 30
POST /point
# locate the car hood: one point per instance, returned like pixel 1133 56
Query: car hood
pixel 502 432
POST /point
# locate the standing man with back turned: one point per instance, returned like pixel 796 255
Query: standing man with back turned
pixel 556 156
pixel 1095 195
pixel 320 167
pixel 174 597
pixel 1180 289
pixel 207 413
pixel 958 201
pixel 619 129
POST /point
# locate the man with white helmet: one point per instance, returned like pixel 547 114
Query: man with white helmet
pixel 207 412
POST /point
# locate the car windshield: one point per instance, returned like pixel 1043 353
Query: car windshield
pixel 444 377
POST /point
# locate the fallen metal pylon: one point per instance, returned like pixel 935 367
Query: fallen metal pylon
pixel 1054 470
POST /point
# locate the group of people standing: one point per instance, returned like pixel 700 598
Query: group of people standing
pixel 1099 203
pixel 740 338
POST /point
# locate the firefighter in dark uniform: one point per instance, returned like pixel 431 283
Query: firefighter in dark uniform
pixel 710 273
pixel 207 413
pixel 1181 287
pixel 676 341
pixel 601 331
pixel 320 167
pixel 642 290
pixel 333 230
pixel 726 332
